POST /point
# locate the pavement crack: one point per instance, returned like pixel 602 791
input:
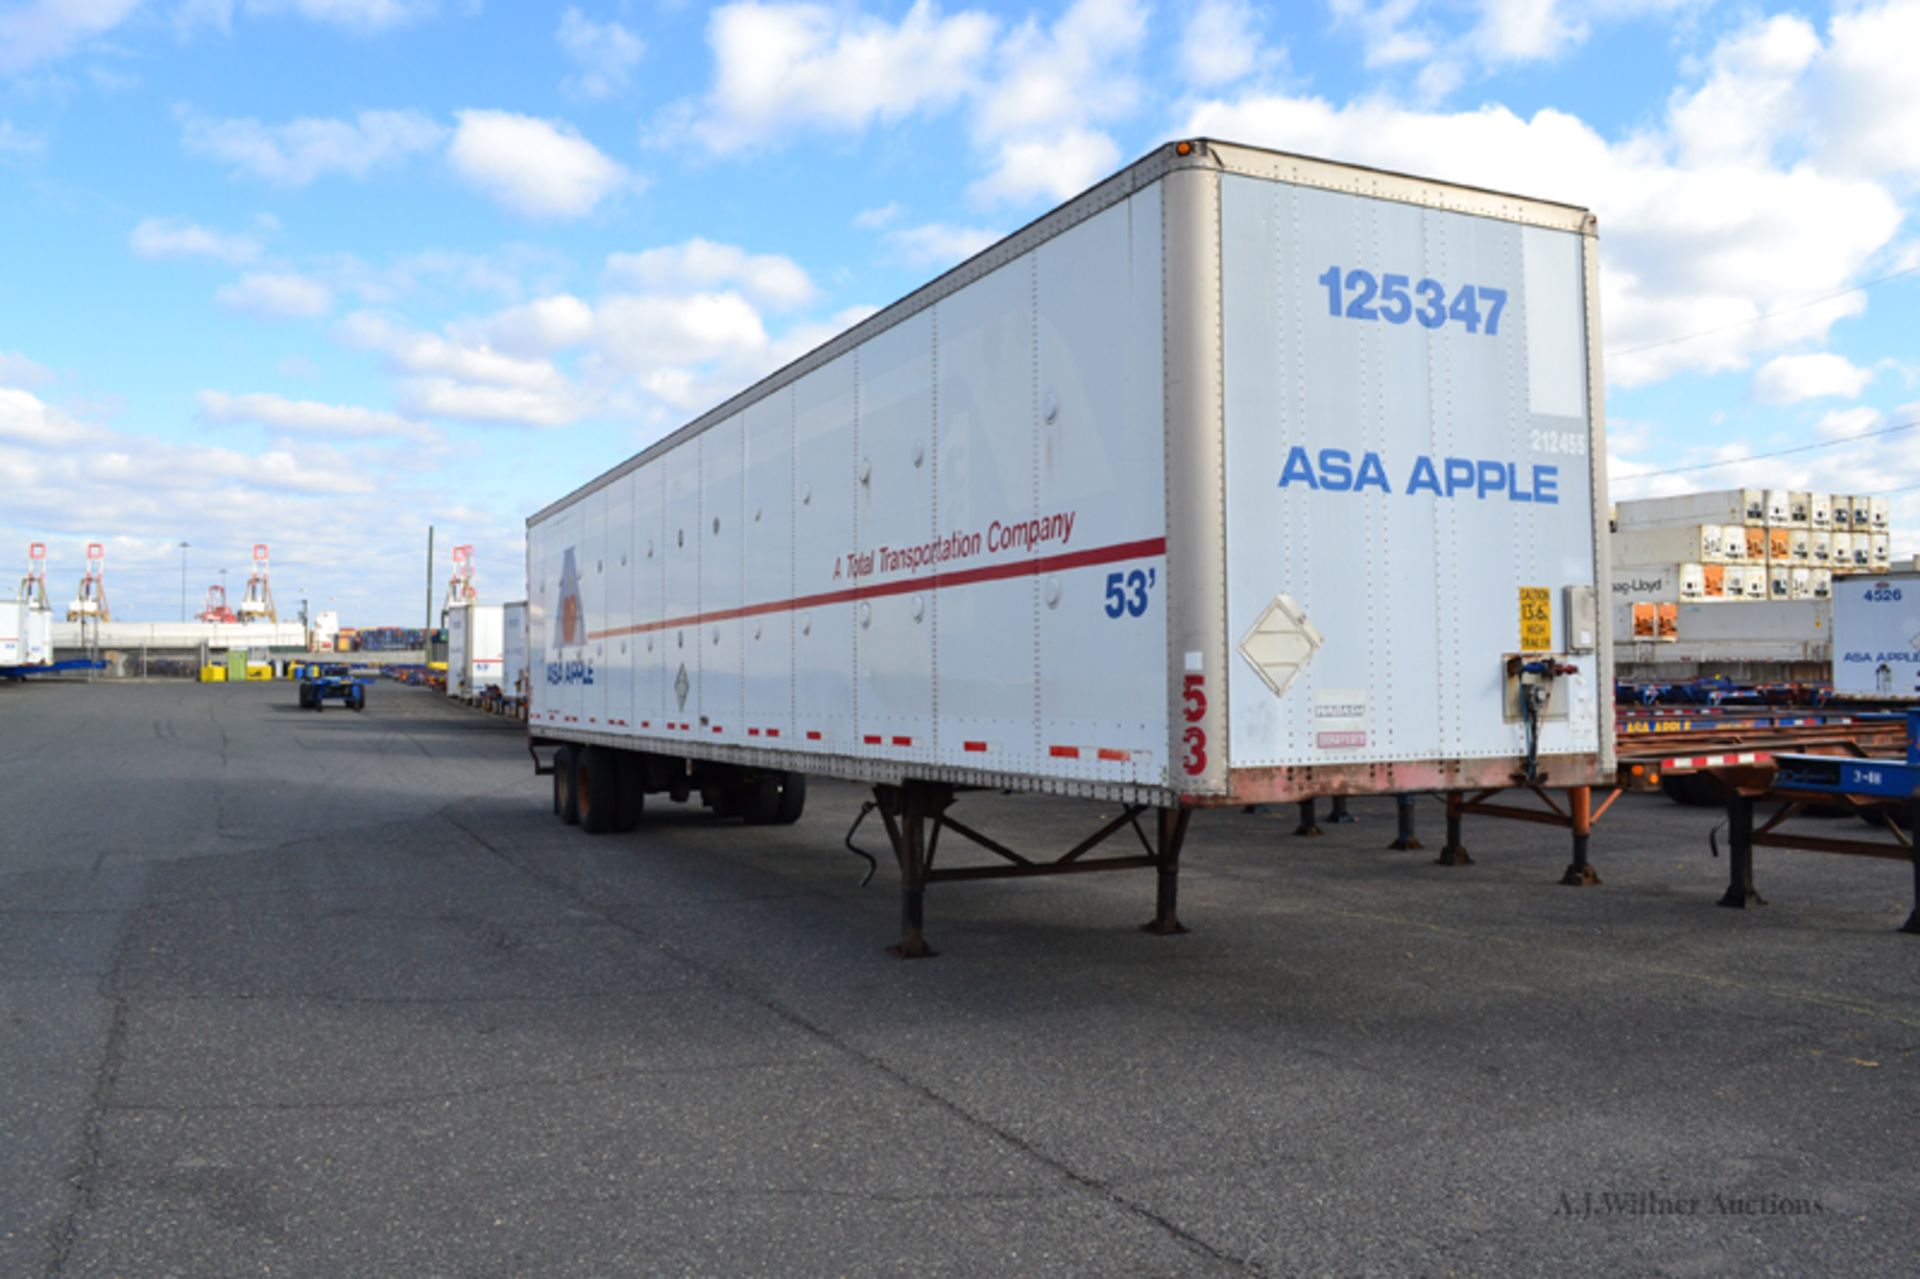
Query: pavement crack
pixel 733 983
pixel 84 1179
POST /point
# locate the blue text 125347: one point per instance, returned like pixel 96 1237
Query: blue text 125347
pixel 1358 295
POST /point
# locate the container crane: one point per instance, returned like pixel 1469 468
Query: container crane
pixel 90 604
pixel 257 604
pixel 460 588
pixel 215 609
pixel 33 587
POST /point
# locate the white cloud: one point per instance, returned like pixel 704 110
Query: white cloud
pixel 697 264
pixel 507 405
pixel 1051 86
pixel 310 417
pixel 876 219
pixel 1788 379
pixel 361 16
pixel 1054 167
pixel 282 296
pixel 18 370
pixel 940 244
pixel 783 67
pixel 173 238
pixel 465 377
pixel 537 168
pixel 42 30
pixel 644 333
pixel 1840 424
pixel 1748 104
pixel 1219 43
pixel 301 151
pixel 1867 87
pixel 15 141
pixel 605 52
pixel 26 419
pixel 1524 30
pixel 539 327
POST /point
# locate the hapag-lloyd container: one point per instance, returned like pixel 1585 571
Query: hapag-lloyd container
pixel 1679 544
pixel 1728 506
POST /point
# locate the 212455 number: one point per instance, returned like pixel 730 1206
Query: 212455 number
pixel 1358 294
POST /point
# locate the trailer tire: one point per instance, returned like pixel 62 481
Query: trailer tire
pixel 793 799
pixel 760 799
pixel 596 790
pixel 631 769
pixel 357 698
pixel 564 799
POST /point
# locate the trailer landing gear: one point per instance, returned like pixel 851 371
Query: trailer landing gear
pixel 916 812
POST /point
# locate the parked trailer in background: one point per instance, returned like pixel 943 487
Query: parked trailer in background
pixel 26 632
pixel 476 642
pixel 513 650
pixel 1241 477
pixel 1876 636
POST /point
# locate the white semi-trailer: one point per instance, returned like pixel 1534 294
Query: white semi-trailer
pixel 1241 477
pixel 476 648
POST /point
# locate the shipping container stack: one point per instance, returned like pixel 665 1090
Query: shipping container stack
pixel 1738 546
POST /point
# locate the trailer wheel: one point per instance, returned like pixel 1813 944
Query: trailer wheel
pixel 357 699
pixel 564 801
pixel 793 799
pixel 760 799
pixel 631 769
pixel 596 790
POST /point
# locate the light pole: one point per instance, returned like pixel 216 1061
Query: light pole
pixel 183 581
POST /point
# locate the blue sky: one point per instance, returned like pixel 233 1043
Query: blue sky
pixel 320 273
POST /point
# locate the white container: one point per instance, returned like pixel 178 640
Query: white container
pixel 1800 586
pixel 1876 621
pixel 513 649
pixel 1878 509
pixel 1842 507
pixel 1880 550
pixel 1109 548
pixel 1733 544
pixel 1822 583
pixel 1700 544
pixel 1779 579
pixel 1820 547
pixel 26 633
pixel 1779 508
pixel 1734 583
pixel 1820 511
pixel 1728 506
pixel 1862 551
pixel 1800 509
pixel 1862 512
pixel 476 642
pixel 1842 551
pixel 1757 582
pixel 1800 544
pixel 1658 583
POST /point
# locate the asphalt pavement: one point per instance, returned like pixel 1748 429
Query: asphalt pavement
pixel 336 994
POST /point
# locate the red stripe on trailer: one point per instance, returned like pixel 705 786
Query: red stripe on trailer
pixel 1093 557
pixel 773 732
pixel 903 741
pixel 1107 753
pixel 872 739
pixel 717 728
pixel 977 747
pixel 1064 752
pixel 753 732
pixel 813 735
